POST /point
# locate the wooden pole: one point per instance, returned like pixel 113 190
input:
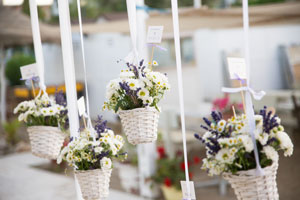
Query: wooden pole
pixel 151 59
pixel 233 110
pixel 84 122
pixel 33 89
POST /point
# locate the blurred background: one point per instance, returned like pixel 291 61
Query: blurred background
pixel 210 32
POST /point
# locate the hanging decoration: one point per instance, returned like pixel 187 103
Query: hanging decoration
pixel 91 156
pixel 186 191
pixel 244 149
pixel 45 117
pixel 136 93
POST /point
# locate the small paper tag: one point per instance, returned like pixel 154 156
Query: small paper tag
pixel 155 34
pixel 185 195
pixel 29 71
pixel 237 68
pixel 81 106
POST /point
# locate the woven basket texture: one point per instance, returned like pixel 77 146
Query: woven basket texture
pixel 94 184
pixel 46 141
pixel 248 186
pixel 140 124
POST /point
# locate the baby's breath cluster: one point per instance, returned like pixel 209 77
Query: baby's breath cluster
pixel 229 147
pixel 44 111
pixel 93 149
pixel 136 87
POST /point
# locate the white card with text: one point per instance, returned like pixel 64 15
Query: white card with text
pixel 29 71
pixel 154 35
pixel 81 106
pixel 237 68
pixel 185 195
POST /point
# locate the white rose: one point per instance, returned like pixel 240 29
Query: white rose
pixel 247 142
pixel 285 143
pixel 271 153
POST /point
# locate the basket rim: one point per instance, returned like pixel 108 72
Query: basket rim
pixel 251 172
pixel 91 170
pixel 51 128
pixel 48 127
pixel 150 108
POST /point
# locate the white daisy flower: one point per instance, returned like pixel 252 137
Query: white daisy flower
pixel 155 63
pixel 261 137
pixel 21 117
pixel 148 100
pixel 221 126
pixel 143 94
pixel 98 149
pixel 225 156
pixel 133 84
pixel 106 163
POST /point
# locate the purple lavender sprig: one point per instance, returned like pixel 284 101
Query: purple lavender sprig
pixel 60 98
pixel 125 87
pixel 213 144
pixel 269 121
pixel 216 116
pixel 101 125
pixel 134 69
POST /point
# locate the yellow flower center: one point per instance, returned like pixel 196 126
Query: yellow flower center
pixel 225 156
pixel 142 93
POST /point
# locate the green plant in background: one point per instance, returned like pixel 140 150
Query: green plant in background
pixel 257 2
pixel 12 72
pixel 170 171
pixel 10 130
pixel 25 9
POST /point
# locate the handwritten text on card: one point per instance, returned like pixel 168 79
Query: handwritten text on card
pixel 154 35
pixel 185 194
pixel 29 71
pixel 237 68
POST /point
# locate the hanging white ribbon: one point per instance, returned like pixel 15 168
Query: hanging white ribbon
pixel 86 115
pixel 256 95
pixel 180 86
pixel 37 43
pixel 132 57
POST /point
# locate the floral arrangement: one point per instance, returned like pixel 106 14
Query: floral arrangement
pixel 94 149
pixel 136 87
pixel 229 147
pixel 44 111
pixel 224 105
pixel 170 171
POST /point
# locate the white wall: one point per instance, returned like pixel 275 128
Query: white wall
pixel 264 43
pixel 102 53
pixel 202 81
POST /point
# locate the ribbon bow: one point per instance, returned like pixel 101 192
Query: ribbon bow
pixel 250 116
pixel 256 95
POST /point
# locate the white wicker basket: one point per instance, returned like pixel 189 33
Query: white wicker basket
pixel 247 186
pixel 94 184
pixel 140 124
pixel 46 141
